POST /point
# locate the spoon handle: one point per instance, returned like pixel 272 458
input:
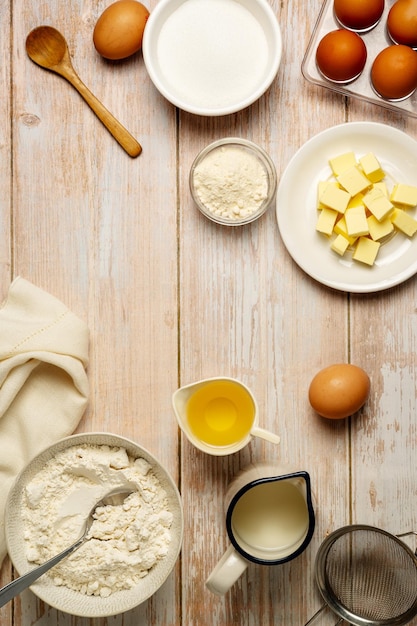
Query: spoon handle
pixel 119 132
pixel 18 585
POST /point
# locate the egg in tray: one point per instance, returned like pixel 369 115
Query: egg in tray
pixel 366 50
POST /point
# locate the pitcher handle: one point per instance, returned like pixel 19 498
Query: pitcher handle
pixel 265 434
pixel 230 567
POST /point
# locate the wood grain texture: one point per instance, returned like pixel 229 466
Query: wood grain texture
pixel 5 149
pixel 6 95
pixel 170 298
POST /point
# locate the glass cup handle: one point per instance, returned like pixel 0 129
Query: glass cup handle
pixel 265 434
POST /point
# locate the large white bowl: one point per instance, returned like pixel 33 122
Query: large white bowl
pixel 212 57
pixel 61 597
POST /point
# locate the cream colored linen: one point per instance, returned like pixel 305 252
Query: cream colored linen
pixel 43 380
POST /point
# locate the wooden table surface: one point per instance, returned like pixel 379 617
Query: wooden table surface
pixel 170 298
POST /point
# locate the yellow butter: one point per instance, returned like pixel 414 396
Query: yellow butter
pixel 334 198
pixel 366 250
pixel 404 194
pixel 326 221
pixel 356 201
pixel 378 203
pixel 340 244
pixel 342 162
pixel 379 230
pixel 404 222
pixel 371 167
pixel 341 229
pixel 356 222
pixel 357 209
pixel 382 186
pixel 353 181
pixel 320 190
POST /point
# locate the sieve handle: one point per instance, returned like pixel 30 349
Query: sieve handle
pixel 321 609
pixel 408 534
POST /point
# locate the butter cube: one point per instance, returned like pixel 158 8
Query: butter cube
pixel 377 203
pixel 404 222
pixel 320 190
pixel 353 181
pixel 334 198
pixel 379 230
pixel 356 201
pixel 382 186
pixel 372 168
pixel 342 162
pixel 341 229
pixel 326 221
pixel 340 245
pixel 366 250
pixel 356 222
pixel 404 194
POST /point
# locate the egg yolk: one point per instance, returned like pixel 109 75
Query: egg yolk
pixel 341 55
pixel 402 22
pixel 359 15
pixel 394 72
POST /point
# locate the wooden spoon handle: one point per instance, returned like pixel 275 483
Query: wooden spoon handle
pixel 119 132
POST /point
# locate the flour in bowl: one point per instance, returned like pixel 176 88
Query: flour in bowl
pixel 126 540
pixel 231 182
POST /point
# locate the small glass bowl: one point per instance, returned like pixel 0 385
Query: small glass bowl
pixel 262 159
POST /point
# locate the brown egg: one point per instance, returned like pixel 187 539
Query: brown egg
pixel 339 390
pixel 341 55
pixel 394 72
pixel 118 32
pixel 402 22
pixel 358 14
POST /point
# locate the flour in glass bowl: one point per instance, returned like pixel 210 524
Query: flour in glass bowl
pixel 231 182
pixel 213 53
pixel 126 540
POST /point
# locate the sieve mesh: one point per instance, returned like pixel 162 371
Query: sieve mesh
pixel 369 573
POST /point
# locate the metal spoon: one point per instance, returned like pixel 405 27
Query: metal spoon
pixel 47 47
pixel 7 593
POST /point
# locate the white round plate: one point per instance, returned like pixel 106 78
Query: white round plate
pixel 297 213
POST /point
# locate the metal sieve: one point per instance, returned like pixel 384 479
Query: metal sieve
pixel 367 577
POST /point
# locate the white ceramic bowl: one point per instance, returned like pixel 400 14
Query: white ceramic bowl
pixel 212 57
pixel 74 602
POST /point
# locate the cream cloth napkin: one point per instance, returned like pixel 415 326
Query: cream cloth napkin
pixel 43 382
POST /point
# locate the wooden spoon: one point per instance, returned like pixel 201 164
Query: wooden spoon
pixel 47 47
